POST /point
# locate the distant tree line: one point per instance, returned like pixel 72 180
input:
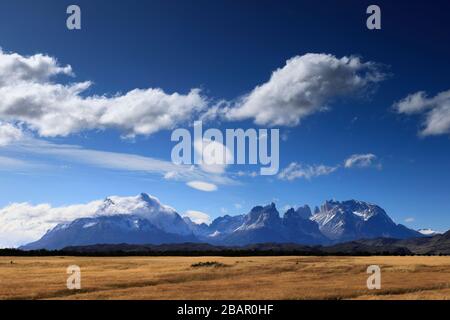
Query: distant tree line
pixel 224 253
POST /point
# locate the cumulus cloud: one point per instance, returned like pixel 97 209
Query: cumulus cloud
pixel 29 94
pixel 21 223
pixel 9 133
pixel 197 216
pixel 298 171
pixel 436 111
pixel 360 160
pixel 413 103
pixel 15 68
pixel 202 186
pixel 305 85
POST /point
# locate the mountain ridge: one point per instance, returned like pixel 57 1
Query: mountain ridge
pixel 143 219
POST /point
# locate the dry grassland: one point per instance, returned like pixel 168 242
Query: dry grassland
pixel 229 278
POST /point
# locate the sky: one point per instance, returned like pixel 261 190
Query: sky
pixel 362 114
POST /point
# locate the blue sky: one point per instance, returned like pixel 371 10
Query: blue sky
pixel 226 49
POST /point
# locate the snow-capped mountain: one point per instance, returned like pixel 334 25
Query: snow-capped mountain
pixel 225 225
pixel 134 220
pixel 146 207
pixel 113 229
pixel 144 220
pixel 352 220
pixel 261 224
pixel 264 224
pixel 200 229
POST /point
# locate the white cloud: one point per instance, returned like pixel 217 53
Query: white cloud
pixel 197 216
pixel 360 160
pixel 298 171
pixel 21 223
pixel 202 186
pixel 410 219
pixel 31 93
pixel 28 95
pixel 15 68
pixel 436 111
pixel 413 103
pixel 305 85
pixel 9 133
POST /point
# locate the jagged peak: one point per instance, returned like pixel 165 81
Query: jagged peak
pixel 290 211
pixel 303 212
pixel 260 217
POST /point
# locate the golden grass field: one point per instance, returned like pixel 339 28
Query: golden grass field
pixel 239 278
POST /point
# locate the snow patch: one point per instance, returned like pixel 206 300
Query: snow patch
pixel 89 225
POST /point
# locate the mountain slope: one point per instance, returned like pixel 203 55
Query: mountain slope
pixel 146 207
pixel 352 220
pixel 135 220
pixel 300 229
pixel 129 229
pixel 261 224
pixel 264 224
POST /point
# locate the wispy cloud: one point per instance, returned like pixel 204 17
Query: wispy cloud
pixel 7 164
pixel 112 160
pixel 298 171
pixel 360 160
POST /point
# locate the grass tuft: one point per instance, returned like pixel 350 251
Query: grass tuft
pixel 208 264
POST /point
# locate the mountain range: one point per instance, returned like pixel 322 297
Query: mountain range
pixel 144 220
pixel 438 244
